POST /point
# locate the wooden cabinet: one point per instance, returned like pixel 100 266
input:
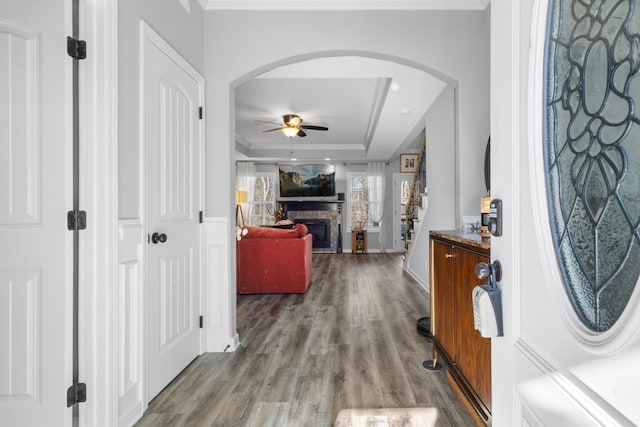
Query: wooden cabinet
pixel 358 241
pixel 456 342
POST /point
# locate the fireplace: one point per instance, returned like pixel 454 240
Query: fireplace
pixel 320 229
pixel 326 238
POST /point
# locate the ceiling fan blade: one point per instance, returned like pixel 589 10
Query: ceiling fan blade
pixel 310 127
pixel 273 123
pixel 301 133
pixel 271 130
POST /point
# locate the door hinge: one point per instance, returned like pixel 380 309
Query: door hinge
pixel 201 217
pixel 200 113
pixel 77 49
pixel 76 220
pixel 77 393
pixel 201 321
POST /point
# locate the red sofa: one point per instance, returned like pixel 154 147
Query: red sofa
pixel 273 260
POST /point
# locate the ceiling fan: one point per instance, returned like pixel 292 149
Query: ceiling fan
pixel 292 125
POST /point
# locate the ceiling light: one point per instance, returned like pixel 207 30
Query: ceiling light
pixel 405 112
pixel 290 131
pixel 395 86
pixel 326 159
pixel 294 120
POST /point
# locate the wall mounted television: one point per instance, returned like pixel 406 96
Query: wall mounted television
pixel 307 181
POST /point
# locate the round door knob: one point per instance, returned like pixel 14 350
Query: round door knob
pixel 486 271
pixel 158 237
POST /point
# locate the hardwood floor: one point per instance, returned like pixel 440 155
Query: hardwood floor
pixel 349 342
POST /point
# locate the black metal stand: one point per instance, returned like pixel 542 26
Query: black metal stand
pixel 339 248
pixel 432 365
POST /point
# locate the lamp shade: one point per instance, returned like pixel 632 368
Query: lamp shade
pixel 290 131
pixel 241 196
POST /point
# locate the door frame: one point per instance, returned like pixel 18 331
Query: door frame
pixel 149 35
pixel 99 197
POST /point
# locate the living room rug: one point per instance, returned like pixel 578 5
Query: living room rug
pixel 387 417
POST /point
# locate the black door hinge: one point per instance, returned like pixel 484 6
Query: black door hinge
pixel 201 217
pixel 200 113
pixel 77 393
pixel 76 220
pixel 77 49
pixel 201 322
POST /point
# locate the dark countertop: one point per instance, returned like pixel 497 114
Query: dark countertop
pixel 473 239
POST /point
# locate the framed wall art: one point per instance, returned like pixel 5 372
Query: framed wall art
pixel 408 163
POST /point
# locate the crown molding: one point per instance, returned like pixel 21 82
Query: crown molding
pixel 345 4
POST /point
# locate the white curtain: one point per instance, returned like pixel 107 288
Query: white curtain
pixel 375 183
pixel 246 181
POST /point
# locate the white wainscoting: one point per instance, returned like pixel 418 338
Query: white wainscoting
pixel 130 322
pixel 219 291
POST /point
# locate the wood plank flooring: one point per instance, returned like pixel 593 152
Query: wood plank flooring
pixel 349 342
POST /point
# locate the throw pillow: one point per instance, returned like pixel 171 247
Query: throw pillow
pixel 282 226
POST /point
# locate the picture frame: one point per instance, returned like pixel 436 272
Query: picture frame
pixel 408 162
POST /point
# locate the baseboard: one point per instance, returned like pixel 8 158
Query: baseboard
pixel 477 420
pixel 224 346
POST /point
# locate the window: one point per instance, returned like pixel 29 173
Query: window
pixel 263 207
pixel 358 201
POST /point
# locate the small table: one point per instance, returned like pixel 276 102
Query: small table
pixel 358 241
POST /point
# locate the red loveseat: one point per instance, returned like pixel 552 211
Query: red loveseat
pixel 273 260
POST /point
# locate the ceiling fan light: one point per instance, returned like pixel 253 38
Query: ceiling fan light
pixel 290 131
pixel 295 120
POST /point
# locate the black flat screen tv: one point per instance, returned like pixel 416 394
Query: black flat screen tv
pixel 307 181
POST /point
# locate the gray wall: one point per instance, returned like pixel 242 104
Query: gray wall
pixel 184 32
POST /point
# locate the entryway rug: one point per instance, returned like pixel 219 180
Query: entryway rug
pixel 387 417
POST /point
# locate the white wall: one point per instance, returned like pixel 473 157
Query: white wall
pixel 440 153
pixel 242 44
pixel 184 32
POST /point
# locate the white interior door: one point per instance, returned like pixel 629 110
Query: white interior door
pixel 173 94
pixel 35 264
pixel 549 369
pixel 400 182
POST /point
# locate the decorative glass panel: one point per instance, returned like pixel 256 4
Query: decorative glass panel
pixel 592 152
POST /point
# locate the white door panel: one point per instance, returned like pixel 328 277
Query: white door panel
pixel 544 373
pixel 35 284
pixel 172 99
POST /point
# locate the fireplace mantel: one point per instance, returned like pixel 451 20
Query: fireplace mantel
pixel 311 205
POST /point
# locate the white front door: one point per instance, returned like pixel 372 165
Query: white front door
pixel 549 369
pixel 173 94
pixel 35 179
pixel 401 183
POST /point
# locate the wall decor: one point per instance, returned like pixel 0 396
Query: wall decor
pixel 408 163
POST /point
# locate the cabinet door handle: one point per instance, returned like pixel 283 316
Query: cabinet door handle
pixel 448 256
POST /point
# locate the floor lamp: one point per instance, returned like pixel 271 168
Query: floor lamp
pixel 241 197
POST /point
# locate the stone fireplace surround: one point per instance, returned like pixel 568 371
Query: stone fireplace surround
pixel 314 209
